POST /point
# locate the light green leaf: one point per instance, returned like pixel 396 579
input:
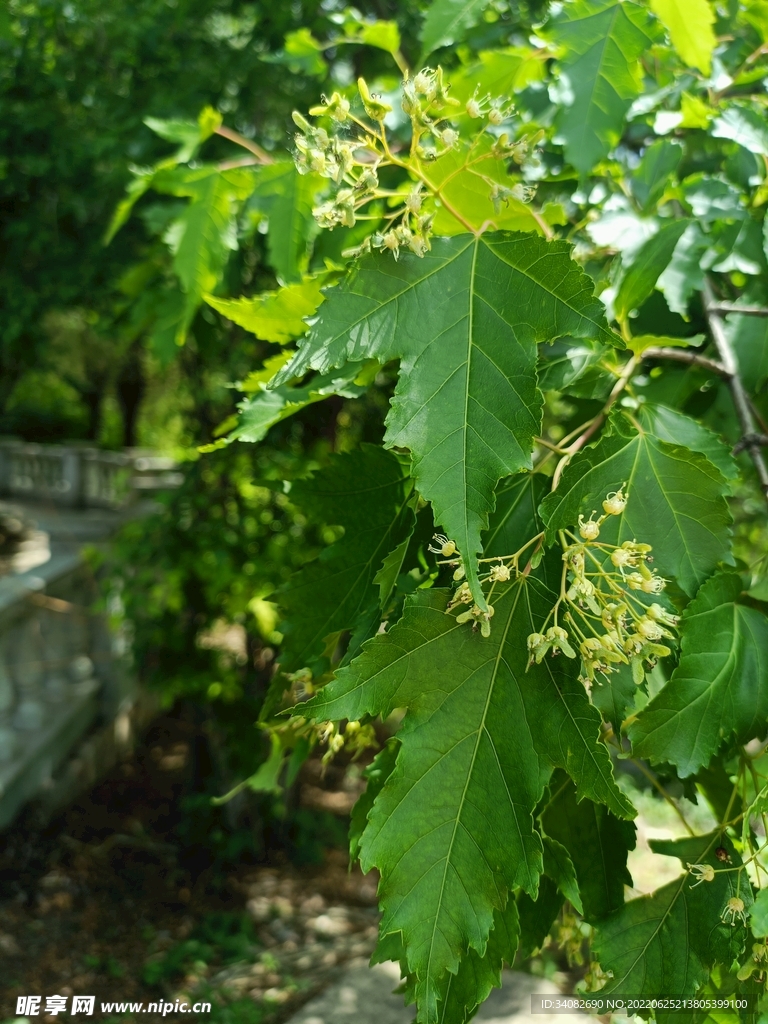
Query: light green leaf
pixel 478 742
pixel 204 235
pixel 189 134
pixel 641 276
pixel 466 403
pixel 641 342
pixel 448 21
pixel 301 54
pixel 287 198
pixel 718 691
pixel 689 23
pixel 666 941
pixel 138 186
pixel 743 125
pixel 499 72
pixel 677 428
pixel 385 35
pixel 600 74
pixel 266 408
pixel 368 492
pixel 274 316
pixel 598 844
pixel 676 501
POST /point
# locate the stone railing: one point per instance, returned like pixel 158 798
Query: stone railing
pixel 76 476
pixel 68 700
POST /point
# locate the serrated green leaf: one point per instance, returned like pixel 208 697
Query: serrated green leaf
pixel 386 578
pixel 678 428
pixel 598 844
pixel 676 501
pixel 666 941
pixel 749 337
pixel 466 403
pixel 287 198
pixel 652 258
pixel 654 172
pixel 266 408
pixel 368 492
pixel 189 134
pixel 689 23
pixel 719 689
pixel 448 21
pixel 499 72
pixel 600 74
pixel 566 361
pixel 376 774
pixel 477 975
pixel 479 739
pixel 559 867
pixel 273 316
pixel 615 695
pixel 641 342
pixel 384 35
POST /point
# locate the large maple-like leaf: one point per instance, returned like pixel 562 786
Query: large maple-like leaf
pixel 719 690
pixel 664 943
pixel 479 740
pixel 676 501
pixel 464 322
pixel 600 74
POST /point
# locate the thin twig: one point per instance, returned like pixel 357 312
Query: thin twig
pixel 240 140
pixel 738 393
pixel 723 308
pixel 682 355
pixel 749 440
pixel 658 786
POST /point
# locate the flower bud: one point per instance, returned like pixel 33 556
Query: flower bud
pixel 615 503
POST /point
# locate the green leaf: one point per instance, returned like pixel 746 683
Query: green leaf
pixel 537 916
pixel 376 774
pixel 559 867
pixel 368 492
pixel 515 519
pixel 758 917
pixel 301 54
pixel 615 695
pixel 477 975
pixel 466 403
pixel 743 125
pixel 448 21
pixel 287 198
pixel 266 408
pixel 598 844
pixel 273 316
pixel 480 737
pixel 202 238
pixel 640 278
pixel 384 35
pixel 386 578
pixel 189 134
pixel 666 941
pixel 676 500
pixel 499 72
pixel 641 342
pixel 677 428
pixel 654 173
pixel 689 23
pixel 684 274
pixel 749 337
pixel 718 691
pixel 600 74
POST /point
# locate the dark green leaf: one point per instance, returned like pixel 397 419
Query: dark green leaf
pixel 720 688
pixel 376 774
pixel 466 403
pixel 537 916
pixel 675 502
pixel 645 269
pixel 677 428
pixel 654 173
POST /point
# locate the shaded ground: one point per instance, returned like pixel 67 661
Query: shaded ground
pixel 108 901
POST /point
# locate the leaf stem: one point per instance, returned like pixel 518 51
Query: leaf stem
pixel 240 140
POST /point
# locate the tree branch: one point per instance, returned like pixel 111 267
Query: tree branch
pixel 682 355
pixel 723 308
pixel 738 393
